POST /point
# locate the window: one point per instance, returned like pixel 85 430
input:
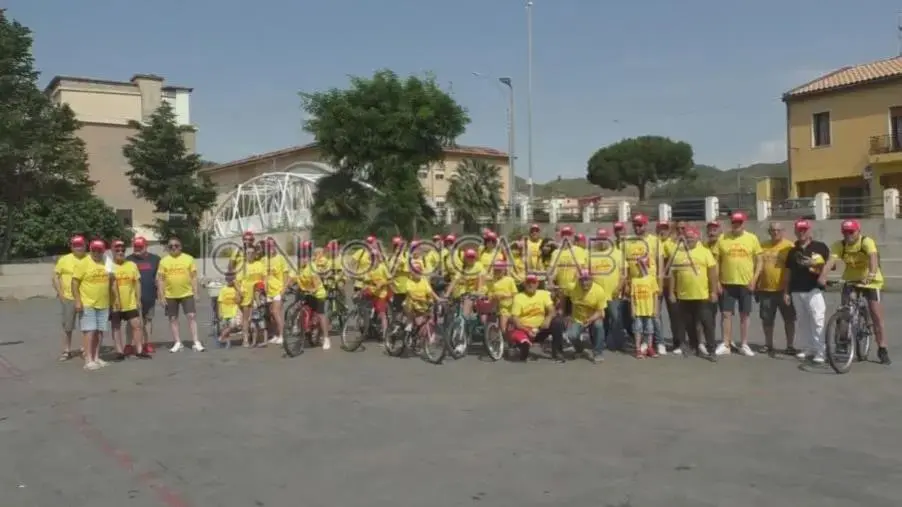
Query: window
pixel 124 216
pixel 820 126
pixel 423 175
pixel 439 176
pixel 895 128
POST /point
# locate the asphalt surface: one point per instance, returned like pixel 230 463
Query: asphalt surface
pixel 249 428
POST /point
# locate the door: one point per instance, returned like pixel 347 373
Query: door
pixel 895 129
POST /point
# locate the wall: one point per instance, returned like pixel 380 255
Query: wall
pixel 23 281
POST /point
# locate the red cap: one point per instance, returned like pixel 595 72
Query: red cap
pixel 98 244
pixel 118 242
pixel 640 219
pixel 396 240
pixel 802 224
pixel 490 236
pixel 692 232
pixel 713 224
pixel 470 254
pixel 566 231
pixel 580 238
pixel 499 265
pixel 531 278
pixel 850 226
pixel 534 228
pixel 261 285
pixel 738 217
pixel 140 242
pixel 663 224
pixel 248 235
pixel 450 239
pixel 306 244
pixel 332 245
pixel 371 239
pixel 619 226
pixel 77 241
pixel 602 234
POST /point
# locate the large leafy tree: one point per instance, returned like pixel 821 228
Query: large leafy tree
pixel 164 172
pixel 40 155
pixel 340 207
pixel 475 192
pixel 382 130
pixel 638 162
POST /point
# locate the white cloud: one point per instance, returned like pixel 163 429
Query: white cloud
pixel 771 151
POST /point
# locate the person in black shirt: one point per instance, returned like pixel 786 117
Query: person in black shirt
pixel 802 287
pixel 148 265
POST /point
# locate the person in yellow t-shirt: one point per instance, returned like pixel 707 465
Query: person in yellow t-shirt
pixel 128 311
pixel 589 302
pixel 769 284
pixel 420 297
pixel 517 264
pixel 862 264
pixel 468 282
pixel 359 260
pixel 644 245
pixel 532 249
pixel 399 267
pixel 377 286
pixel 278 278
pixel 252 273
pixel 533 316
pixel 62 284
pixel 644 292
pixel 490 253
pixel 738 253
pixel 501 290
pixel 313 292
pixel 570 259
pixel 240 255
pixel 229 308
pixel 94 293
pixel 607 268
pixel 692 290
pixel 177 282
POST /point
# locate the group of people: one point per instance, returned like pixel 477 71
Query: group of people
pixel 609 287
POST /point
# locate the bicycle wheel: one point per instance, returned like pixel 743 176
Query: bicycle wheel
pixel 432 344
pixel 337 314
pixel 395 337
pixel 494 341
pixel 351 331
pixel 295 334
pixel 458 341
pixel 863 337
pixel 838 341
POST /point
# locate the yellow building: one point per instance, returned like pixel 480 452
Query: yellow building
pixel 844 132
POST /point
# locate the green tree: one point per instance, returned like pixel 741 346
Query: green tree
pixel 46 225
pixel 40 155
pixel 341 207
pixel 382 130
pixel 475 193
pixel 164 172
pixel 639 162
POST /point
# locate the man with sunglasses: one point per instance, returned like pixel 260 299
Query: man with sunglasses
pixel 177 282
pixel 771 271
pixel 738 253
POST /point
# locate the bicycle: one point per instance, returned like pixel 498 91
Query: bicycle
pixel 493 335
pixel 336 309
pixel 302 328
pixel 459 330
pixel 360 323
pixel 420 339
pixel 849 330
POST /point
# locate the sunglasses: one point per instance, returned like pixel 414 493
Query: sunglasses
pixel 118 248
pixel 174 246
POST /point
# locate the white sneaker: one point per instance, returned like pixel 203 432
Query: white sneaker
pixel 177 347
pixel 460 349
pixel 101 363
pixel 408 328
pixel 643 348
pixel 197 347
pixel 677 351
pixel 327 343
pixel 801 355
pixel 746 350
pixel 818 359
pixel 91 366
pixel 277 340
pixel 702 349
pixel 722 350
pixel 662 350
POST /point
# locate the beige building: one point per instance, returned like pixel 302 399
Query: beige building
pixel 307 159
pixel 104 109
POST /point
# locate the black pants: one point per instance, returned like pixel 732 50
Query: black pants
pixel 556 331
pixel 688 316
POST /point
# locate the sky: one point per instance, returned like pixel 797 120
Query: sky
pixel 707 72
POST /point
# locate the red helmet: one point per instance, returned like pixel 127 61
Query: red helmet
pixel 802 224
pixel 602 234
pixel 396 241
pixel 640 219
pixel 371 240
pixel 470 254
pixel 567 231
pixel 490 236
pixel 738 217
pixel 619 226
pixel 450 239
pixel 850 226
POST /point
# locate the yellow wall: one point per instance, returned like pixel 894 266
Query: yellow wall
pixel 437 179
pixel 855 116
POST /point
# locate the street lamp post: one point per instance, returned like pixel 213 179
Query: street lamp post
pixel 529 98
pixel 511 137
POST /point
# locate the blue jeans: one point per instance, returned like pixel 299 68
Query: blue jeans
pixel 596 333
pixel 94 319
pixel 613 322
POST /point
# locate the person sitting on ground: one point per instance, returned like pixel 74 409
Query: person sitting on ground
pixel 534 318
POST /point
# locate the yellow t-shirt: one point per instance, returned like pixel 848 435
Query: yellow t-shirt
pixel 310 282
pixel 643 294
pixel 419 295
pixel 690 273
pixel 712 247
pixel 277 269
pixel 127 276
pixel 400 266
pixel 431 259
pixel 237 259
pixel 503 290
pixel 488 258
pixel 177 273
pixel 253 272
pixel 567 263
pixel 587 302
pixel 668 247
pixel 467 280
pixel 737 257
pixel 637 248
pixel 533 254
pixel 856 258
pixel 378 275
pixel 94 283
pixel 360 262
pixel 606 267
pixel 228 303
pixel 64 268
pixel 531 311
pixel 773 259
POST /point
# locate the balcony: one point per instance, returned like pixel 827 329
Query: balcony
pixel 885 149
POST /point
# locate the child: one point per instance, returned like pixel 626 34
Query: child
pixel 229 314
pixel 259 310
pixel 644 292
pixel 501 289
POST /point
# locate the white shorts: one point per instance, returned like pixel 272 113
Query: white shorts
pixel 231 324
pixel 274 298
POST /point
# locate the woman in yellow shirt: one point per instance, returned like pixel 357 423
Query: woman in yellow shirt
pixel 313 290
pixel 644 292
pixel 278 277
pixel 252 273
pixel 128 282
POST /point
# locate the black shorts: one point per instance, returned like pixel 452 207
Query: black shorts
pixel 769 303
pixel 317 305
pixel 187 305
pixel 567 305
pixel 118 317
pixel 733 295
pixel 397 302
pixel 868 294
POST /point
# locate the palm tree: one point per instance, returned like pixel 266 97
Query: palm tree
pixel 475 192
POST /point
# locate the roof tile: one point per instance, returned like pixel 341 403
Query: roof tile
pixel 850 76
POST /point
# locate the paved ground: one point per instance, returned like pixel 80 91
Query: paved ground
pixel 248 428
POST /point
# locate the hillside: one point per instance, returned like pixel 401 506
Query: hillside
pixel 708 179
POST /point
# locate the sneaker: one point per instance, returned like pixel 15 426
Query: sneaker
pixel 790 351
pixel 197 347
pixel 643 348
pixel 702 349
pixel 101 363
pixel 460 349
pixel 91 366
pixel 662 350
pixel 327 343
pixel 651 352
pixel 558 360
pixel 723 350
pixel 801 355
pixel 597 358
pixel 677 351
pixel 129 350
pixel 148 348
pixel 277 340
pixel 746 351
pixel 817 359
pixel 524 351
pixel 177 347
pixel 883 356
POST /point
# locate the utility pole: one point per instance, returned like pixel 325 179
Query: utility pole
pixel 899 31
pixel 511 157
pixel 529 100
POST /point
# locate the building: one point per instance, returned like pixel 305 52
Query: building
pixel 104 109
pixel 844 133
pixel 307 159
